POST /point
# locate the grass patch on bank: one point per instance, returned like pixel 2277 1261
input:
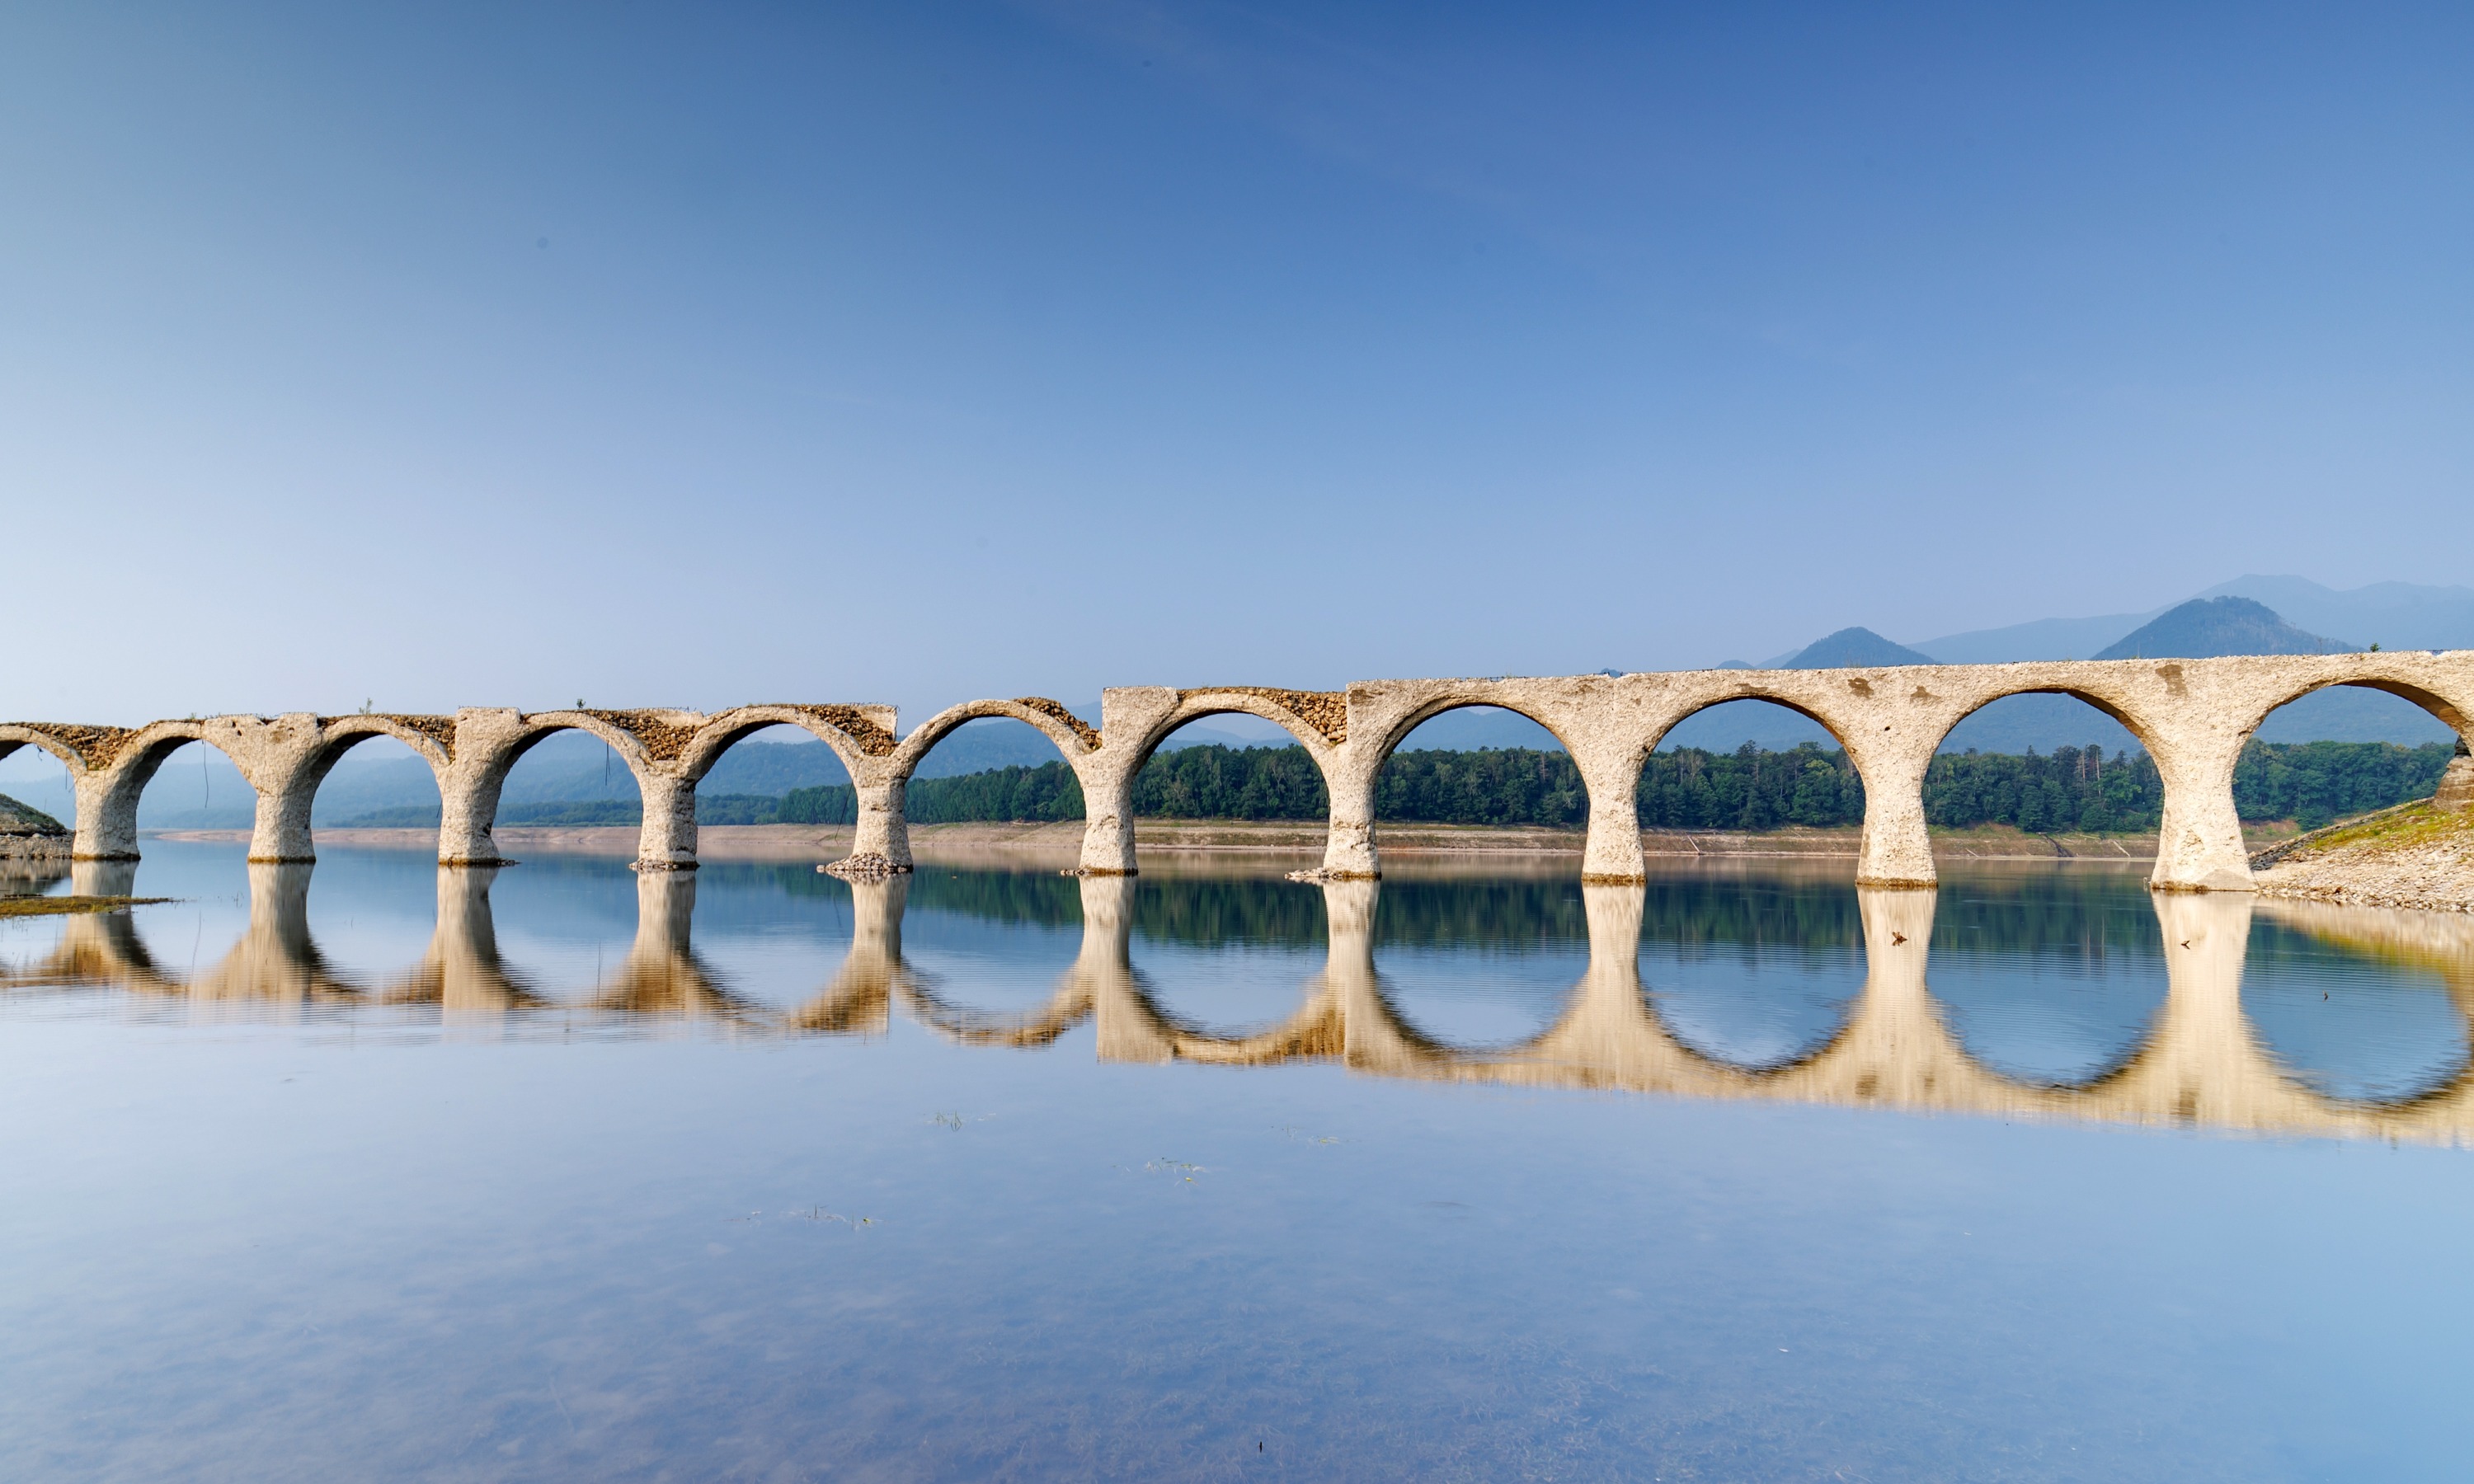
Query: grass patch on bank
pixel 2390 830
pixel 67 906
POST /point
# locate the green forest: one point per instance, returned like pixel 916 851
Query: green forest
pixel 2068 790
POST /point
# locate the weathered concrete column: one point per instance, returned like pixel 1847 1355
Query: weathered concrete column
pixel 1612 853
pixel 468 786
pixel 1108 780
pixel 2199 846
pixel 106 813
pixel 1130 717
pixel 284 760
pixel 668 841
pixel 2456 785
pixel 883 827
pixel 1896 848
pixel 1348 852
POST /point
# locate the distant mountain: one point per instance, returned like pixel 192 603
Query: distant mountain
pixel 1853 649
pixel 2394 615
pixel 2206 626
pixel 2045 638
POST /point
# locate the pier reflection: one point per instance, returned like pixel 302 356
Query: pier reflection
pixel 2200 1059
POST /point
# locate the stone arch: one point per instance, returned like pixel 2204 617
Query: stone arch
pixel 1779 697
pixel 1838 730
pixel 2448 711
pixel 429 738
pixel 503 739
pixel 1141 719
pixel 70 744
pixel 1073 736
pixel 2437 704
pixel 1417 717
pixel 108 790
pixel 1318 719
pixel 880 780
pixel 854 734
pixel 2117 709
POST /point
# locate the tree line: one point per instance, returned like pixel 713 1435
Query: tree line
pixel 2068 790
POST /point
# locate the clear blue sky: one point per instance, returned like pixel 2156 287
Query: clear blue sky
pixel 912 352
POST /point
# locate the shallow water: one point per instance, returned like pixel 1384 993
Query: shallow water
pixel 376 1171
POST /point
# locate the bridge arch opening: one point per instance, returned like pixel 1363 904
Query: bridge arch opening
pixel 1750 764
pixel 189 783
pixel 374 781
pixel 1475 763
pixel 568 776
pixel 1753 970
pixel 2045 763
pixel 2339 751
pixel 1223 763
pixel 775 773
pixel 990 769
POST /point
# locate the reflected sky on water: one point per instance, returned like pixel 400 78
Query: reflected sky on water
pixel 373 1170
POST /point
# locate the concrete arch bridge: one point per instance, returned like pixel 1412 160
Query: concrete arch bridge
pixel 2192 715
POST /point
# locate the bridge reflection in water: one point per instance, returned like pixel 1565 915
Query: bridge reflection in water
pixel 2201 1061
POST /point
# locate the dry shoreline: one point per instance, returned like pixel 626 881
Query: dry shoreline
pixel 1060 843
pixel 2413 857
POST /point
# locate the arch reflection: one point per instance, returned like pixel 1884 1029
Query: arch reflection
pixel 2202 1060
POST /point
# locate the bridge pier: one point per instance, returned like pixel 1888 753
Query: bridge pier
pixel 1349 853
pixel 884 826
pixel 107 815
pixel 1895 849
pixel 2199 844
pixel 1612 855
pixel 667 839
pixel 1107 816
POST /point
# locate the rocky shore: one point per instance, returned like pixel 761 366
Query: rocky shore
pixel 28 834
pixel 2416 856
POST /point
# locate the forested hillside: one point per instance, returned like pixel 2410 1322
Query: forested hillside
pixel 2072 789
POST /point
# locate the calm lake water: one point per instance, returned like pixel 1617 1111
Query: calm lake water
pixel 373 1171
